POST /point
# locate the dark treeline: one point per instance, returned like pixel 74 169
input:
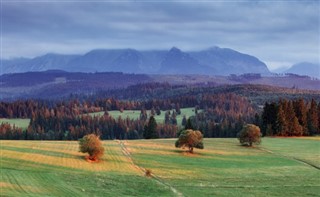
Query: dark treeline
pixel 219 112
pixel 221 115
pixel 224 118
pixel 290 118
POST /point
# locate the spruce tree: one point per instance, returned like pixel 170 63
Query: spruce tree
pixel 269 118
pixel 150 130
pixel 301 113
pixel 312 118
pixel 297 129
pixel 189 125
pixel 290 118
pixel 281 123
pixel 184 121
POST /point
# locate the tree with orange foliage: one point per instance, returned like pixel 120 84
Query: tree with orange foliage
pixel 190 139
pixel 250 134
pixel 92 145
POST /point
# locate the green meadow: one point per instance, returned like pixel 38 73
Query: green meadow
pixel 278 167
pixel 132 114
pixel 135 114
pixel 21 123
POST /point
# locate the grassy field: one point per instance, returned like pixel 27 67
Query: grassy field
pixel 22 123
pixel 279 167
pixel 135 114
pixel 132 114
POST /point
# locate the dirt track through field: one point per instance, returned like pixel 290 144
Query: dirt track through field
pixel 143 170
pixel 292 158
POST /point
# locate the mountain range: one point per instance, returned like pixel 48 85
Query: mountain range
pixel 212 61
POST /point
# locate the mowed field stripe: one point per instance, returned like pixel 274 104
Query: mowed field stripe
pixel 223 168
pixel 69 157
pixel 34 167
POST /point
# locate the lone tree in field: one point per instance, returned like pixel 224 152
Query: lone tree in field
pixel 250 134
pixel 190 139
pixel 92 145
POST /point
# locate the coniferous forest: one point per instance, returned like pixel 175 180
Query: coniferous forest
pixel 219 112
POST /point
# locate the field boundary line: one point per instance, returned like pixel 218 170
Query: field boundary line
pixel 127 153
pixel 292 158
pixel 247 186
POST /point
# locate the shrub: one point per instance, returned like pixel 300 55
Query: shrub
pixel 92 145
pixel 190 139
pixel 250 134
pixel 148 172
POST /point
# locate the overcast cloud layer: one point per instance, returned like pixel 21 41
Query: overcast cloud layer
pixel 278 33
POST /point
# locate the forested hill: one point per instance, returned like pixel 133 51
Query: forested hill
pixel 257 94
pixel 55 84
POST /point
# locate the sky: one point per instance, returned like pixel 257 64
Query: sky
pixel 279 33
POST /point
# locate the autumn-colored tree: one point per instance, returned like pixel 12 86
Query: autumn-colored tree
pixel 190 139
pixel 301 113
pixel 92 145
pixel 281 123
pixel 250 134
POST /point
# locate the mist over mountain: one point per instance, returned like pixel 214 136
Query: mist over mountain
pixel 305 68
pixel 213 61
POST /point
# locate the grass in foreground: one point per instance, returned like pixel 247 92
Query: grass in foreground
pixel 223 168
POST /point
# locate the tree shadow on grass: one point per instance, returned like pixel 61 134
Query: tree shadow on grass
pixel 185 152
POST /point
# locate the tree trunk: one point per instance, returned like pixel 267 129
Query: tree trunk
pixel 191 149
pixel 92 157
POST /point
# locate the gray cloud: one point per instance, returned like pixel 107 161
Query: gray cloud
pixel 276 32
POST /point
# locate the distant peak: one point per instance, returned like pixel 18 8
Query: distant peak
pixel 130 50
pixel 175 49
pixel 214 48
pixel 50 54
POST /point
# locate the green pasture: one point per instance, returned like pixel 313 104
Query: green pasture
pixel 278 167
pixel 21 123
pixel 135 114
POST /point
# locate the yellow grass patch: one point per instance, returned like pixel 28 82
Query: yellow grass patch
pixel 149 145
pixel 25 188
pixel 308 138
pixel 113 160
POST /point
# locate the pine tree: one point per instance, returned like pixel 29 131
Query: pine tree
pixel 167 117
pixel 150 130
pixel 290 118
pixel 281 123
pixel 184 121
pixel 319 116
pixel 189 125
pixel 296 127
pixel 301 113
pixel 312 118
pixel 269 118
